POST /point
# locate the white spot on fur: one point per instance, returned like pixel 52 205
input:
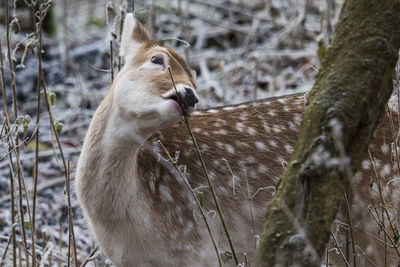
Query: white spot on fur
pixel 222 132
pixel 357 178
pixel 297 118
pixel 262 168
pixel 204 147
pixel 251 131
pixel 239 126
pixel 386 192
pixel 272 143
pixel 276 129
pixel 224 190
pixel 385 148
pixel 366 164
pixel 230 148
pixel 251 159
pixel 266 127
pixel 243 117
pixel 228 108
pixel 378 163
pixel 271 113
pixel 213 111
pixel 260 145
pixel 292 126
pixel 288 148
pixel 211 174
pixel 385 170
pixel 219 144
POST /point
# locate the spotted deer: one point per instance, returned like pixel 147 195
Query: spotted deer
pixel 142 213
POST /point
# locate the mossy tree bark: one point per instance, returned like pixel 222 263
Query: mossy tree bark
pixel 344 108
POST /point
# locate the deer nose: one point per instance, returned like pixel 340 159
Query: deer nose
pixel 190 97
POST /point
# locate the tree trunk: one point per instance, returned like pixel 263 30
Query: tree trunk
pixel 344 108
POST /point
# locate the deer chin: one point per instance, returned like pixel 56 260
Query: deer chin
pixel 157 116
pixel 176 106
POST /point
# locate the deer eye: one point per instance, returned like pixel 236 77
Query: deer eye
pixel 157 60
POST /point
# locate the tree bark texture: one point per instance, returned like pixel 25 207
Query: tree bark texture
pixel 344 108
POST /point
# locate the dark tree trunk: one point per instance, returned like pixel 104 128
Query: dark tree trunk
pixel 345 106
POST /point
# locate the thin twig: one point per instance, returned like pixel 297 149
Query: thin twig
pixel 391 123
pixel 121 27
pixel 351 230
pixel 384 236
pixel 221 216
pixel 251 212
pixel 10 151
pixel 2 129
pixel 15 109
pixel 6 249
pixel 89 257
pixel 52 125
pixel 383 229
pixel 327 256
pixel 196 200
pixel 341 252
pixel 71 234
pixel 379 185
pixel 10 61
pixel 98 69
pixel 39 81
pixel 111 61
pixel 6 127
pixel 366 233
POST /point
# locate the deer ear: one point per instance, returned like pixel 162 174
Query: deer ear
pixel 133 35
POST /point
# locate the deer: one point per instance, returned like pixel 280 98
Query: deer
pixel 142 213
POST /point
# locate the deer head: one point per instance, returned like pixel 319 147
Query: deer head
pixel 143 90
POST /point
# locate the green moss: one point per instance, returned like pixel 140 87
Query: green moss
pixel 50 22
pixel 96 21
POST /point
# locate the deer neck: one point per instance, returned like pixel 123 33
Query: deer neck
pixel 108 164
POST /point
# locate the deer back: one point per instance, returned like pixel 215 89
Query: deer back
pixel 246 148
